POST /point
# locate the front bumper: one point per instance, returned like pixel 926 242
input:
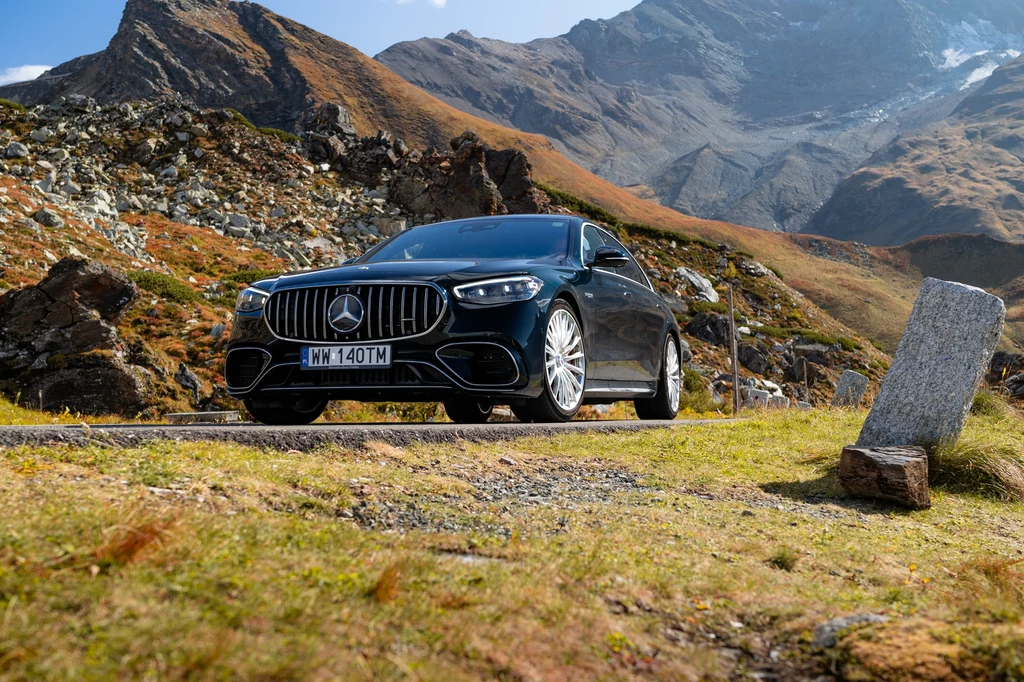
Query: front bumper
pixel 475 351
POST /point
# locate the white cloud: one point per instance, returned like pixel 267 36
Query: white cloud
pixel 17 74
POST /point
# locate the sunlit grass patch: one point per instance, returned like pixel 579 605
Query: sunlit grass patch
pixel 986 461
pixel 578 557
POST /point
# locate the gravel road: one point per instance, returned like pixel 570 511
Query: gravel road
pixel 307 438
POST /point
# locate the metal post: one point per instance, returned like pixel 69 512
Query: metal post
pixel 734 351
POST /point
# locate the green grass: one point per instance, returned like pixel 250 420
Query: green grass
pixel 8 104
pixel 165 286
pixel 598 214
pixel 248 277
pixel 617 558
pixel 988 404
pixel 698 307
pixel 282 135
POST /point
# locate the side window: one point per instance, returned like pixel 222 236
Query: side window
pixel 632 270
pixel 591 242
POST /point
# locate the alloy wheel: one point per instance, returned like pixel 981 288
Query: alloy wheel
pixel 673 374
pixel 564 360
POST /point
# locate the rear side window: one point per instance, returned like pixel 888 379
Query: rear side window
pixel 632 270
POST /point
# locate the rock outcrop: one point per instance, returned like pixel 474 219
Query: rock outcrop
pixel 60 347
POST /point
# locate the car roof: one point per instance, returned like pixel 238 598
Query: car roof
pixel 529 216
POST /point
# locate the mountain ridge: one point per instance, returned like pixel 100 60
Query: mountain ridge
pixel 962 175
pixel 632 96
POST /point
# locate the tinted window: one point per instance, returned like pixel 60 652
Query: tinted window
pixel 541 239
pixel 632 270
pixel 592 241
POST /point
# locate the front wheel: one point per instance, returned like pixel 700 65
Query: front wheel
pixel 286 412
pixel 565 370
pixel 665 403
pixel 468 411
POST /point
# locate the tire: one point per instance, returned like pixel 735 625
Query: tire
pixel 286 413
pixel 522 413
pixel 468 411
pixel 565 370
pixel 665 403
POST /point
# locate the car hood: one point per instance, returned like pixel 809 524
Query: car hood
pixel 430 271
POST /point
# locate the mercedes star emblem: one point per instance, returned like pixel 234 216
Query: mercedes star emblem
pixel 346 313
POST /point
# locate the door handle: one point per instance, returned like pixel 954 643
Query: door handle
pixel 628 294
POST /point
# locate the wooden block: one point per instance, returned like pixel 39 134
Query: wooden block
pixel 894 474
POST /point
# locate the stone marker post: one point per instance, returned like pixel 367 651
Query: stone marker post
pixel 734 353
pixel 945 351
pixel 851 389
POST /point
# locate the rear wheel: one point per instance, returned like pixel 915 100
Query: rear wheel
pixel 565 370
pixel 286 412
pixel 468 411
pixel 665 403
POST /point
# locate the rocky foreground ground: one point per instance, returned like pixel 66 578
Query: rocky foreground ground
pixel 718 552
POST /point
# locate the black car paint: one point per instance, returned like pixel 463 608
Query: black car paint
pixel 624 324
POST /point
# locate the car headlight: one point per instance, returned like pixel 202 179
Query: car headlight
pixel 251 301
pixel 496 291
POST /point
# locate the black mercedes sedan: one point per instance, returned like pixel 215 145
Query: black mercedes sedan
pixel 542 313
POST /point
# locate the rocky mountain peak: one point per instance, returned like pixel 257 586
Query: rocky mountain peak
pixel 632 97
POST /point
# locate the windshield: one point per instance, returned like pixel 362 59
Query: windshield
pixel 500 239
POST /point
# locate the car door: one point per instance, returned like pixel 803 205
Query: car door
pixel 607 319
pixel 645 316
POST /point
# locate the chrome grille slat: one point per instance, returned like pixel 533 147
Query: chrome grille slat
pixel 393 311
pixel 415 292
pixel 401 313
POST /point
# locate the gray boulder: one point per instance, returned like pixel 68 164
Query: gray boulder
pixel 48 218
pixel 16 150
pixel 705 291
pixel 826 634
pixel 710 328
pixel 752 358
pixel 945 352
pixel 851 389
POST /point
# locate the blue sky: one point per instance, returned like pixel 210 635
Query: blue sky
pixel 77 27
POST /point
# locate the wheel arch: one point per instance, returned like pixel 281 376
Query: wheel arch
pixel 567 295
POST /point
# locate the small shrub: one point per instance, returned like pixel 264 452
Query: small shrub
pixel 989 469
pixel 282 135
pixel 988 404
pixel 817 337
pixel 164 286
pixel 776 272
pixel 698 402
pixel 784 558
pixel 782 333
pixel 849 345
pixel 249 276
pixel 8 104
pixel 693 382
pixel 698 307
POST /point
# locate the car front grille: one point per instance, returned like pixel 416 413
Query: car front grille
pixel 391 311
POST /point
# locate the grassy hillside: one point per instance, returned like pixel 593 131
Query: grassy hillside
pixel 707 553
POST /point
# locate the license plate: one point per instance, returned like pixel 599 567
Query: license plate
pixel 346 357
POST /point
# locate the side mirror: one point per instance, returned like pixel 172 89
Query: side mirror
pixel 609 257
pixel 350 261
